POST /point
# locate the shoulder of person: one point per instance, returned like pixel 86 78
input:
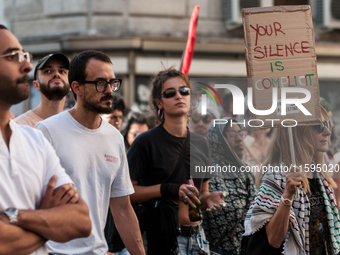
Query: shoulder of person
pixel 52 121
pixel 31 133
pixel 151 134
pixel 198 137
pixel 199 140
pixel 275 174
pixel 111 128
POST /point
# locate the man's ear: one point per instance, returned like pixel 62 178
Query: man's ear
pixel 77 88
pixel 159 104
pixel 36 85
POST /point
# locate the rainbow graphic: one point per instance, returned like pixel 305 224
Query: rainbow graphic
pixel 209 93
pixel 203 97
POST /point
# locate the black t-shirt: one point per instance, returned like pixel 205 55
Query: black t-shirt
pixel 319 236
pixel 154 154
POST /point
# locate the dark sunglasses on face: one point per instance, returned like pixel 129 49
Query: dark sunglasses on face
pixel 101 84
pixel 168 93
pixel 232 134
pixel 205 118
pixel 320 128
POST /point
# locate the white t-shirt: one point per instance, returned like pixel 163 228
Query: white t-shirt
pixel 96 161
pixel 26 167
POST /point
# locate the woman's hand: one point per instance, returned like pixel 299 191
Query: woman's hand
pixel 189 195
pixel 293 181
pixel 215 201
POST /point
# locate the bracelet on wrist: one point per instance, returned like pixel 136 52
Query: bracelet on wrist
pixel 286 201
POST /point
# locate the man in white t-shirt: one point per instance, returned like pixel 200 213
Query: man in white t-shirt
pixel 37 198
pixel 50 78
pixel 92 152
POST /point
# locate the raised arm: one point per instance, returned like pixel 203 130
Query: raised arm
pixel 15 240
pixel 124 215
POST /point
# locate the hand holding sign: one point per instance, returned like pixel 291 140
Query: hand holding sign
pixel 293 181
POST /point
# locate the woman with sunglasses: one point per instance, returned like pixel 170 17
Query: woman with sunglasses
pixel 224 229
pixel 153 159
pixel 295 212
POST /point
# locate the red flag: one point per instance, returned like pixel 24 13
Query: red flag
pixel 189 49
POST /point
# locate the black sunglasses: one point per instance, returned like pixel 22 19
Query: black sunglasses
pixel 320 128
pixel 184 91
pixel 205 118
pixel 101 84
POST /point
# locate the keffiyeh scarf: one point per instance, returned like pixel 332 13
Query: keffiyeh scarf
pixel 216 224
pixel 297 239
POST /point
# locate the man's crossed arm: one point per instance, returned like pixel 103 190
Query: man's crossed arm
pixel 62 216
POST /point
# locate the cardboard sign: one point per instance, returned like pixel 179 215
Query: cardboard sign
pixel 280 53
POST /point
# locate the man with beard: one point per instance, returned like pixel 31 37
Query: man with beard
pixel 93 154
pixel 50 78
pixel 37 200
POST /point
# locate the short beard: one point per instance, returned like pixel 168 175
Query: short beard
pixel 54 93
pixel 93 107
pixel 10 92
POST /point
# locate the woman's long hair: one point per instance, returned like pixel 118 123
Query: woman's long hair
pixel 305 153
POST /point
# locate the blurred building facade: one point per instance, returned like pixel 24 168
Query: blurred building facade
pixel 143 37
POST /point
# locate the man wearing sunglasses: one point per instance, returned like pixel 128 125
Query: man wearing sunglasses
pixel 201 123
pixel 50 78
pixel 93 154
pixel 37 200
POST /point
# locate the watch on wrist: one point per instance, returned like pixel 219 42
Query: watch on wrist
pixel 286 201
pixel 12 214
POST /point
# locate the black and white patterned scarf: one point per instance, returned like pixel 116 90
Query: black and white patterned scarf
pixel 267 201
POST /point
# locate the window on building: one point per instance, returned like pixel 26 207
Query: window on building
pixel 291 2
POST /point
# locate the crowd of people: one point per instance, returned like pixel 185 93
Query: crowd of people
pixel 72 180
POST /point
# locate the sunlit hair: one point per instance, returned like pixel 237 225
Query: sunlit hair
pixel 279 151
pixel 157 85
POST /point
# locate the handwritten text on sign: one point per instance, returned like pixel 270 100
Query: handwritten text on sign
pixel 277 50
pixel 280 55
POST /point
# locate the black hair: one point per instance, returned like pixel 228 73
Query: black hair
pixel 131 118
pixel 78 65
pixel 118 103
pixel 3 27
